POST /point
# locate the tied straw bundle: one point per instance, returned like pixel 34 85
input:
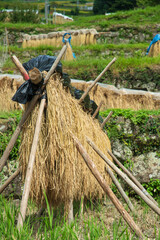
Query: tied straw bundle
pixel 8 87
pixel 59 169
pixel 120 98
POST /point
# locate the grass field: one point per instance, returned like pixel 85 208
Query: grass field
pixel 97 223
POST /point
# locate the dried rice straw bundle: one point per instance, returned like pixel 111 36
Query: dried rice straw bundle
pixel 154 50
pixel 8 87
pixel 59 39
pixel 26 38
pixel 43 41
pixel 82 37
pixel 68 56
pixel 59 168
pixel 87 36
pixel 93 34
pixel 120 98
pixel 33 41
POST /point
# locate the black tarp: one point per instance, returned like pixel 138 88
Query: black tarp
pixel 43 63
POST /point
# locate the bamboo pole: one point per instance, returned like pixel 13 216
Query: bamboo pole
pixel 132 177
pixel 10 179
pixel 27 184
pixel 97 110
pixel 106 119
pixel 125 178
pixel 27 112
pixel 95 81
pixel 106 188
pixel 120 189
pixel 20 67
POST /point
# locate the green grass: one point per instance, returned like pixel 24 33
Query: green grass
pixel 6 136
pixel 90 57
pixel 134 19
pixel 51 226
pixel 11 114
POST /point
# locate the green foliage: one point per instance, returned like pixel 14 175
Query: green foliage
pixel 144 3
pixel 24 14
pixel 75 11
pixel 3 16
pixel 8 217
pixel 102 6
pixel 145 135
pixel 153 187
pixel 5 137
pixel 143 76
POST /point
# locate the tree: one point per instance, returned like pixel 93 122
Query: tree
pixel 123 5
pixel 103 6
pixel 144 3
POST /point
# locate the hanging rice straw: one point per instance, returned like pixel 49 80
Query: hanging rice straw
pixel 59 169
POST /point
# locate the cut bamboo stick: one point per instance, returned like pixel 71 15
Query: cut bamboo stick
pixel 120 189
pixel 97 110
pixel 10 179
pixel 95 81
pixel 28 110
pixel 106 119
pixel 27 184
pixel 125 178
pixel 132 177
pixel 107 189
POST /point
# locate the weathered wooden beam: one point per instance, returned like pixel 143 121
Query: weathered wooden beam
pixel 106 188
pixel 95 81
pixel 10 179
pixel 20 67
pixel 120 189
pixel 130 175
pixel 125 178
pixel 27 184
pixel 97 110
pixel 106 119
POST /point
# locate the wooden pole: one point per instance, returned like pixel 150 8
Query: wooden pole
pixel 125 178
pixel 27 184
pixel 106 188
pixel 7 41
pixel 106 119
pixel 120 189
pixel 20 67
pixel 10 179
pixel 95 81
pixel 97 110
pixel 27 112
pixel 132 177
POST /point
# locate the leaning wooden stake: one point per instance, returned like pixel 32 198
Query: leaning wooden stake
pixel 10 179
pixel 106 119
pixel 95 81
pixel 120 189
pixel 28 110
pixel 132 178
pixel 20 67
pixel 27 184
pixel 125 178
pixel 107 189
pixel 97 110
